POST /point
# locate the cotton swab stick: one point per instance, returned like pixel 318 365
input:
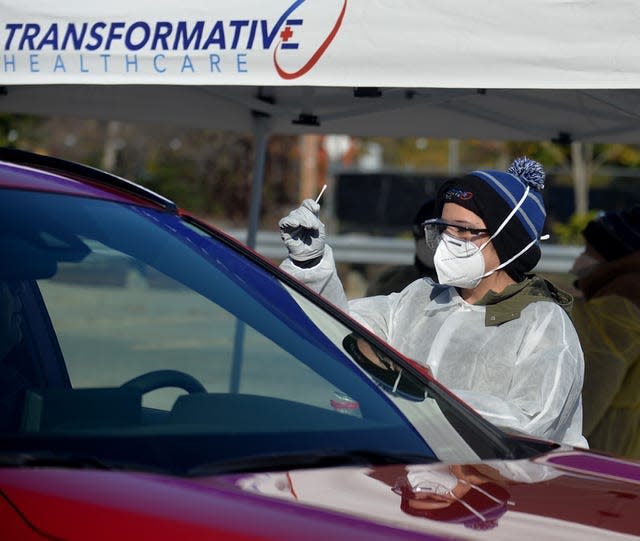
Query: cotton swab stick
pixel 321 192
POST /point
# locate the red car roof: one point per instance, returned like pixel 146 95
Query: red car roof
pixel 23 170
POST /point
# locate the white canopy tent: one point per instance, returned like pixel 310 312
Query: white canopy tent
pixel 504 70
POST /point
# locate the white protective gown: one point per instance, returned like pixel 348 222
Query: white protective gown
pixel 525 374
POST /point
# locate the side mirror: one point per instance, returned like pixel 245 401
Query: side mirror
pixel 384 371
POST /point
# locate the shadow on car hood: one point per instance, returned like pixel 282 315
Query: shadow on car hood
pixel 561 495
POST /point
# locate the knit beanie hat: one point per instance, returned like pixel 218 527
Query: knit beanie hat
pixel 492 195
pixel 615 234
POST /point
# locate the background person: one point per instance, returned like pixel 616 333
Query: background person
pixel 499 338
pixel 397 278
pixel 607 319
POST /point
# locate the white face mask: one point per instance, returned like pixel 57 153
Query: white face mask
pixel 459 263
pixel 431 481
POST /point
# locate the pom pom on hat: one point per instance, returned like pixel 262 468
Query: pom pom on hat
pixel 529 171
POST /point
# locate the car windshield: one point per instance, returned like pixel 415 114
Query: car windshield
pixel 144 339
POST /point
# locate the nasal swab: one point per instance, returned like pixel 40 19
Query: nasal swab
pixel 321 192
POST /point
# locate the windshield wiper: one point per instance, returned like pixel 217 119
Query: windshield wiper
pixel 50 459
pixel 316 459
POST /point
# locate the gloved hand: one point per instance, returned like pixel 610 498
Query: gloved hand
pixel 303 232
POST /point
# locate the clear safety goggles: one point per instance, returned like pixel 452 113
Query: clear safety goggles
pixel 436 227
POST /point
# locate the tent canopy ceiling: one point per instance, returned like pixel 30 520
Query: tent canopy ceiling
pixel 498 114
pixel 538 70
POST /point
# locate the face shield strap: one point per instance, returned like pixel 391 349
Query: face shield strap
pixel 502 226
pixel 506 221
pixel 491 497
pixel 503 265
pixel 472 509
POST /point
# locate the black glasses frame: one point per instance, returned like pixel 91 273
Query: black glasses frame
pixel 438 222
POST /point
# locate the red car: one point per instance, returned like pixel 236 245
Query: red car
pixel 159 380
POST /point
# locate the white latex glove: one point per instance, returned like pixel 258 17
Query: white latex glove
pixel 303 232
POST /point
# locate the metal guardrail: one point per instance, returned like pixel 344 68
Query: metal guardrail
pixel 365 249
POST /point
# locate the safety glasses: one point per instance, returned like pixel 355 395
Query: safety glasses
pixel 435 227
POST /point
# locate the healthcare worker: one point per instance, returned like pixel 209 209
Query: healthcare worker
pixel 607 319
pixel 499 338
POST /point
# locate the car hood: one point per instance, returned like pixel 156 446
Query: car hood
pixel 561 495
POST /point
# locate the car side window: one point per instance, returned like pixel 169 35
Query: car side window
pixel 113 310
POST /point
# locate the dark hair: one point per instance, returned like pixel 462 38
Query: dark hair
pixel 425 212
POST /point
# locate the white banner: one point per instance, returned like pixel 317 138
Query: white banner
pixel 358 43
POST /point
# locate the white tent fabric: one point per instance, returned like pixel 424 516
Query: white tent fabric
pixel 384 43
pixel 538 70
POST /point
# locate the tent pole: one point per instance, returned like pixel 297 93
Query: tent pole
pixel 261 138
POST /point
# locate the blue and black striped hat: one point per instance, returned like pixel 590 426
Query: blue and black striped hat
pixel 492 195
